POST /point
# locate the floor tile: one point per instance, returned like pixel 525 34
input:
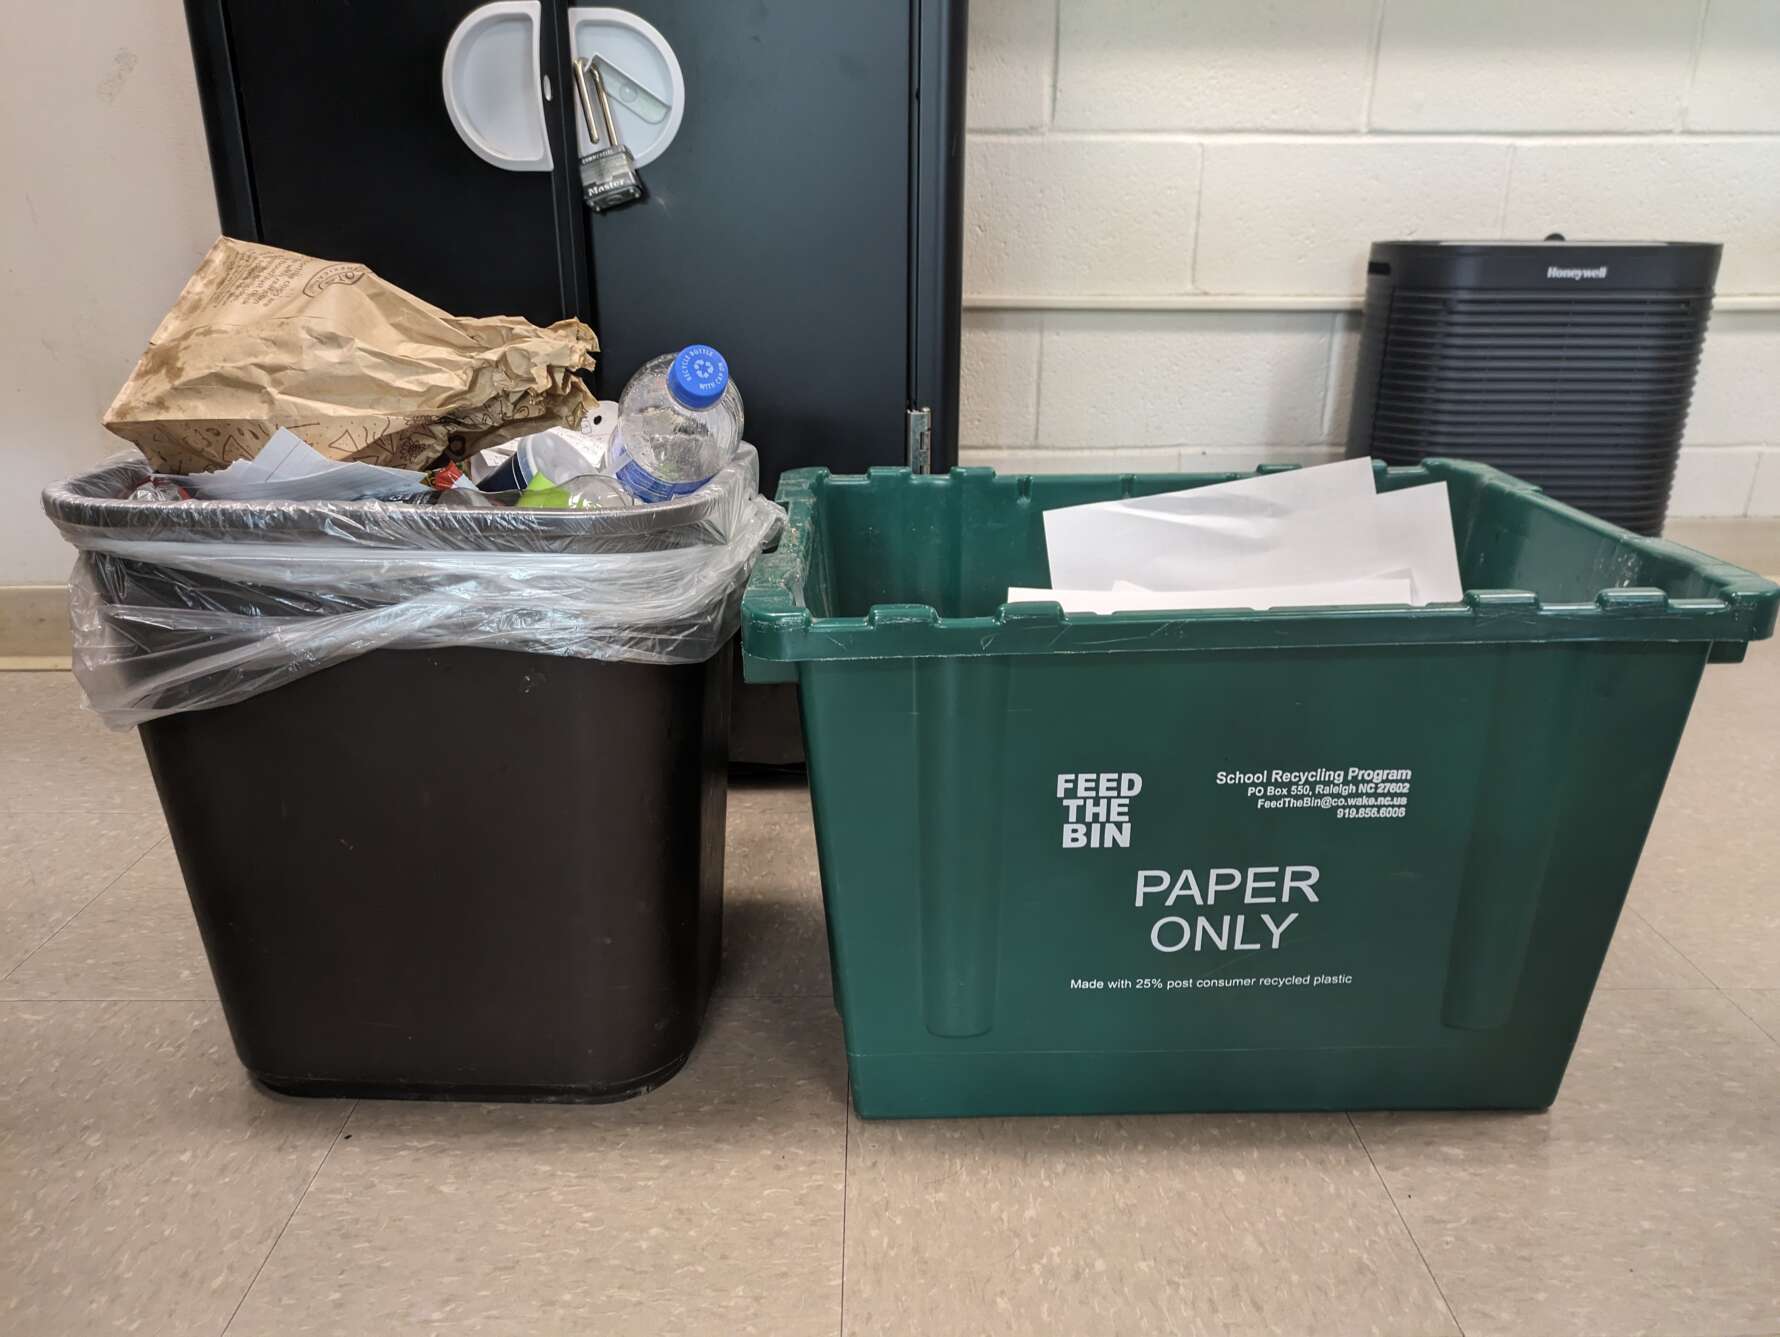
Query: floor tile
pixel 775 940
pixel 53 863
pixel 1640 959
pixel 1646 1200
pixel 711 1205
pixel 1192 1225
pixel 55 755
pixel 142 1177
pixel 1705 882
pixel 138 939
pixel 1761 1005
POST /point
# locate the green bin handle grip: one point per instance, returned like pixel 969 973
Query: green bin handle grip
pixel 959 778
pixel 1529 751
pixel 773 604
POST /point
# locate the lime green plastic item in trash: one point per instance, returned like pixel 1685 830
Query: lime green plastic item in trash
pixel 543 495
pixel 1287 860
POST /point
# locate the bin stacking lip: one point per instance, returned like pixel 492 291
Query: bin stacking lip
pixel 1735 606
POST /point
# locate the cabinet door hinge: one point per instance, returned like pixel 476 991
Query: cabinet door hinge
pixel 920 440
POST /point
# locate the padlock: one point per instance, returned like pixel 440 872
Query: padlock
pixel 608 174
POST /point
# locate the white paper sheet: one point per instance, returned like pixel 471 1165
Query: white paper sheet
pixel 1333 594
pixel 1258 495
pixel 287 468
pixel 1161 551
pixel 1224 535
pixel 1415 523
pixel 1302 527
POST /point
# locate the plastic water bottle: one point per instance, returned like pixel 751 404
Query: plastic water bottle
pixel 678 423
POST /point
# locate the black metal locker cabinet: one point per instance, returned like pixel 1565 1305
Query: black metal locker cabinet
pixel 805 217
pixel 328 135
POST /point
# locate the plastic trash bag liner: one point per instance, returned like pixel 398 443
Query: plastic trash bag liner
pixel 187 605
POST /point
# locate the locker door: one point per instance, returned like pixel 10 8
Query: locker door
pixel 346 151
pixel 776 224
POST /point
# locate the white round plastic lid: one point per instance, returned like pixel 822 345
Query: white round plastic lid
pixel 643 81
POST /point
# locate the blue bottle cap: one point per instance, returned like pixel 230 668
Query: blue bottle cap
pixel 698 376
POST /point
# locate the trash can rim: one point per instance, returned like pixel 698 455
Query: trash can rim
pixel 98 499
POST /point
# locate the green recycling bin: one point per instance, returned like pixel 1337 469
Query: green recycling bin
pixel 1312 859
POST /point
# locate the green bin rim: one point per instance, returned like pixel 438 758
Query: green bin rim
pixel 778 628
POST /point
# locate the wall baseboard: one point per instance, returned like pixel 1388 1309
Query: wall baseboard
pixel 34 626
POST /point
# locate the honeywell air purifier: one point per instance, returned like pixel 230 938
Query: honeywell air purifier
pixel 1568 363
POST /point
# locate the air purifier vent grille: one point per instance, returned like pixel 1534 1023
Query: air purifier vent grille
pixel 1472 351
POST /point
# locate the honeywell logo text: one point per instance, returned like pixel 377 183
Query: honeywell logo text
pixel 1559 272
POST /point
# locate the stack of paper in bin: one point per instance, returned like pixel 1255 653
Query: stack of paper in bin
pixel 1317 537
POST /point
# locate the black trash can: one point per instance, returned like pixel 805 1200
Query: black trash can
pixel 447 787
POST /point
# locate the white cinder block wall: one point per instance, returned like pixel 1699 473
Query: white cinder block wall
pixel 107 209
pixel 1169 204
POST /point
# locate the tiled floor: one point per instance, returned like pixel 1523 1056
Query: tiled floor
pixel 146 1186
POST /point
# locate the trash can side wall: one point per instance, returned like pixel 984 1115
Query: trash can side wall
pixel 394 906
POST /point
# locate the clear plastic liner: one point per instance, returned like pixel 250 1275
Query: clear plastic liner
pixel 187 605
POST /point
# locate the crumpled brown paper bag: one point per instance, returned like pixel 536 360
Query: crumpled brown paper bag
pixel 263 338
